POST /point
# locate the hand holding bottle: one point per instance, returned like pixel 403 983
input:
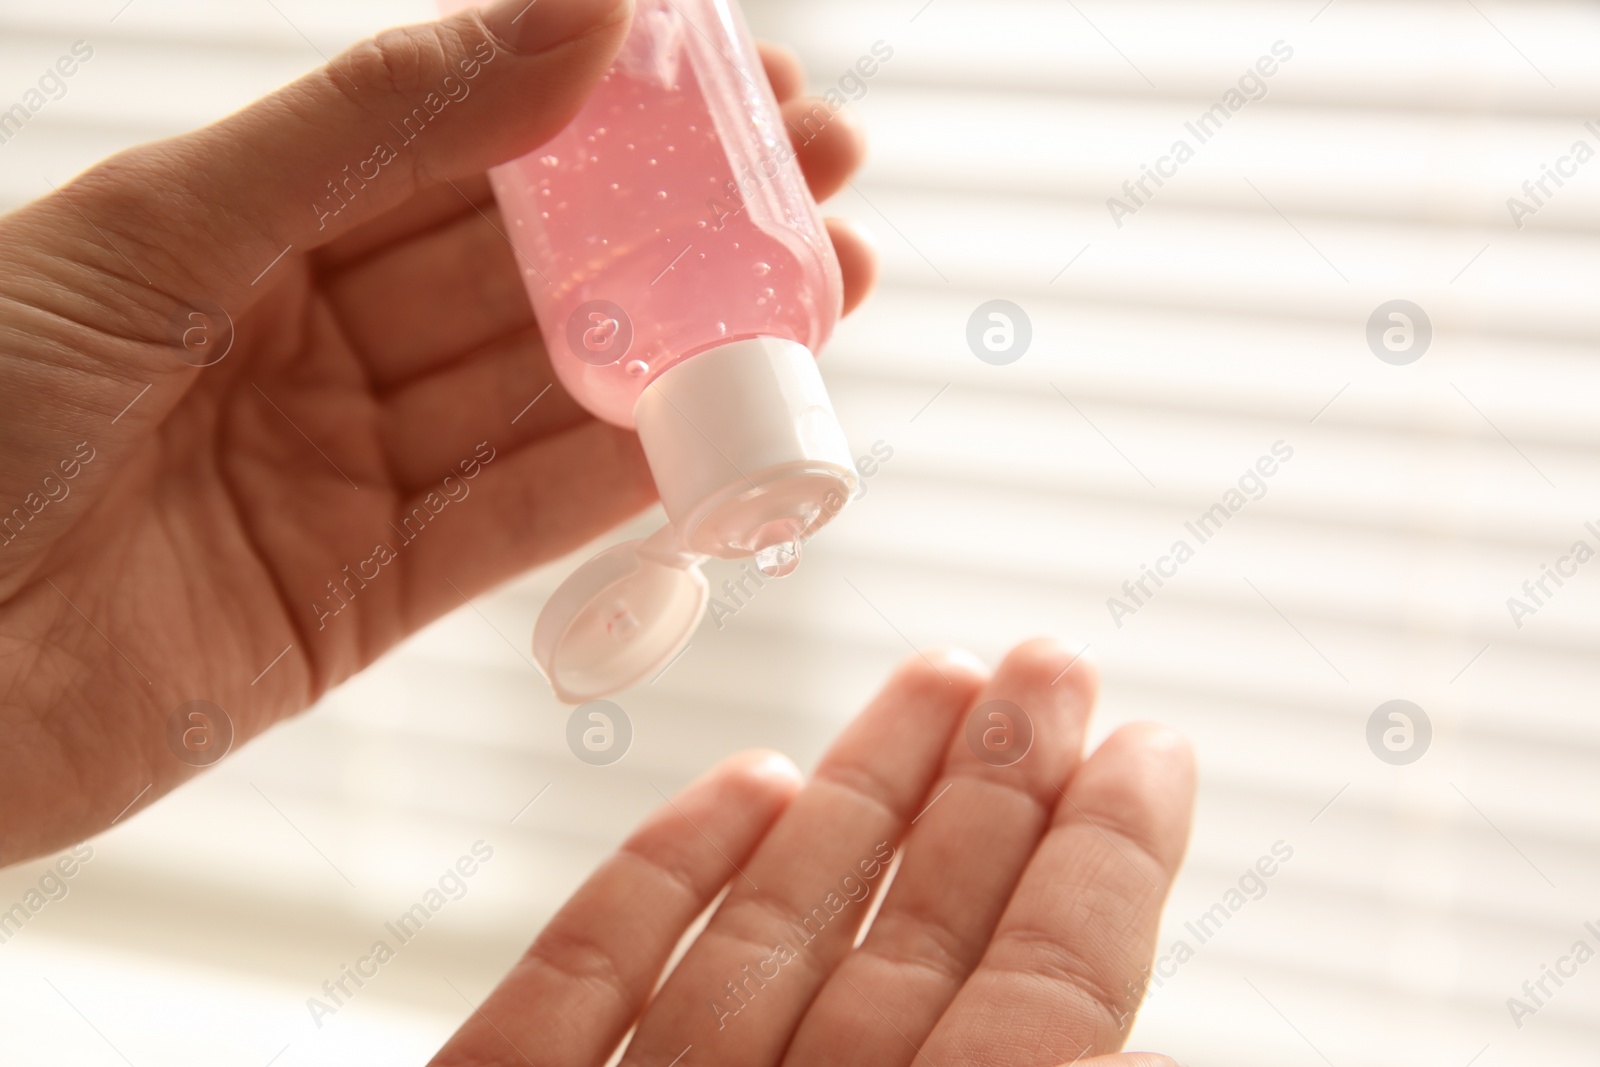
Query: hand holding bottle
pixel 236 365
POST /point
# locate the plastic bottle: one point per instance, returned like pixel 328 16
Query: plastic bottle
pixel 683 280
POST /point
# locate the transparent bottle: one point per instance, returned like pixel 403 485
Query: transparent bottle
pixel 683 280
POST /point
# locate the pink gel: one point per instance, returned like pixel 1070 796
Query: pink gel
pixel 673 196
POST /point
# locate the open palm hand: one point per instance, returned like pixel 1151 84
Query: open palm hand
pixel 1017 929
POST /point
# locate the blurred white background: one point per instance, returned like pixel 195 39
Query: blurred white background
pixel 1227 314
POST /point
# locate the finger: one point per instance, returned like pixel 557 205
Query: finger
pixel 858 261
pixel 524 507
pixel 427 104
pixel 1062 976
pixel 958 866
pixel 576 992
pixel 429 209
pixel 105 270
pixel 830 144
pixel 508 385
pixel 494 512
pixel 504 384
pixel 432 299
pixel 452 286
pixel 1127 1059
pixel 737 995
pixel 784 71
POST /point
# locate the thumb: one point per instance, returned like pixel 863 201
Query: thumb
pixel 94 277
pixel 407 109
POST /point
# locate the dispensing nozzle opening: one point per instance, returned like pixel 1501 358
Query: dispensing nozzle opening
pixel 744 444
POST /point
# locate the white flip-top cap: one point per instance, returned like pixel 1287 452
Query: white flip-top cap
pixel 620 617
pixel 745 448
pixel 749 460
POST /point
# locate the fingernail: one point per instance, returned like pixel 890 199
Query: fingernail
pixel 1085 652
pixel 529 26
pixel 777 765
pixel 962 659
pixel 1162 739
pixel 1077 650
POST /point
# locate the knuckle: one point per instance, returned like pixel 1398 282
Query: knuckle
pixel 400 60
pixel 1042 954
pixel 926 942
pixel 671 866
pixel 578 959
pixel 1126 815
pixel 133 186
pixel 873 797
pixel 137 199
pixel 396 78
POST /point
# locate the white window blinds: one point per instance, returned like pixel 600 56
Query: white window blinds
pixel 1228 312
